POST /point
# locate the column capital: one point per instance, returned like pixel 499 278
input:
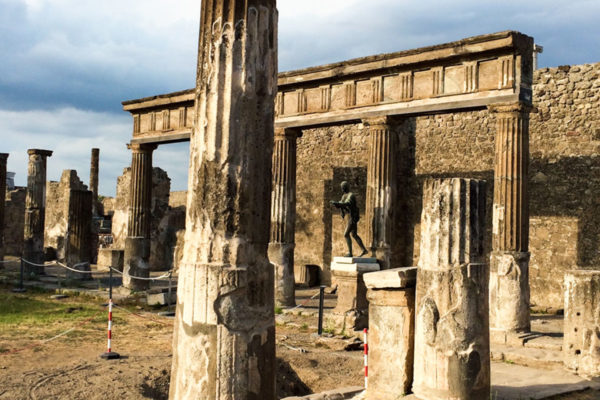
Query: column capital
pixel 287 133
pixel 383 121
pixel 3 157
pixel 511 108
pixel 44 153
pixel 142 147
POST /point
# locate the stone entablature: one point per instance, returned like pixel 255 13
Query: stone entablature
pixel 470 73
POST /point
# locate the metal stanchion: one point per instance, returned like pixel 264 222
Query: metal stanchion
pixel 321 300
pixel 20 289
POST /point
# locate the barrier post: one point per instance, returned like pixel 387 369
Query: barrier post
pixel 366 356
pixel 110 355
pixel 20 289
pixel 321 301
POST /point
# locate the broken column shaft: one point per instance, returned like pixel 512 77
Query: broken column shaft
pixel 137 244
pixel 94 179
pixel 283 216
pixel 78 249
pixel 452 325
pixel 509 261
pixel 35 212
pixel 381 184
pixel 3 160
pixel 224 340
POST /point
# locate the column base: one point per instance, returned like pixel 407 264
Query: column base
pixel 137 254
pixel 281 255
pixel 509 293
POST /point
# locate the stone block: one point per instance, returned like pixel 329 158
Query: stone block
pixel 307 275
pixel 395 278
pixel 161 296
pixel 352 306
pixel 391 341
pixel 581 346
pixel 111 258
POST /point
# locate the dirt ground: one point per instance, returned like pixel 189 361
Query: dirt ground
pixel 69 367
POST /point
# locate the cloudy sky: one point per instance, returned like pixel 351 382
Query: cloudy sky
pixel 66 65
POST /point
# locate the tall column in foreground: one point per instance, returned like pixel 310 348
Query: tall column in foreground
pixel 94 179
pixel 137 242
pixel 35 211
pixel 3 160
pixel 381 185
pixel 452 341
pixel 509 261
pixel 283 216
pixel 224 340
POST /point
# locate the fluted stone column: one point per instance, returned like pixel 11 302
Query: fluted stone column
pixel 452 343
pixel 137 242
pixel 509 261
pixel 79 234
pixel 94 179
pixel 35 211
pixel 224 337
pixel 3 160
pixel 381 185
pixel 283 215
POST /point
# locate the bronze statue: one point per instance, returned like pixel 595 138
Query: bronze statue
pixel 348 206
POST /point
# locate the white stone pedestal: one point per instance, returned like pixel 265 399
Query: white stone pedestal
pixel 351 311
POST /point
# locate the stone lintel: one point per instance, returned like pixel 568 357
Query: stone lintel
pixel 142 147
pixel 45 153
pixel 396 278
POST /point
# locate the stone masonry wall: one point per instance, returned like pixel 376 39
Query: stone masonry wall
pixel 564 178
pixel 57 209
pixel 14 220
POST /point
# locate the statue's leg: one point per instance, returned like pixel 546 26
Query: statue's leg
pixel 359 241
pixel 348 238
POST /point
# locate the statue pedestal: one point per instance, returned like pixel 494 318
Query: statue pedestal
pixel 351 311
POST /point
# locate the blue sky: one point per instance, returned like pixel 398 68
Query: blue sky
pixel 66 65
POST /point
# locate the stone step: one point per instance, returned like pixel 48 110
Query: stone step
pixel 545 342
pixel 527 356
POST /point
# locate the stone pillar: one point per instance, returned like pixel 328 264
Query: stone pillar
pixel 79 234
pixel 224 336
pixel 94 179
pixel 137 243
pixel 283 216
pixel 452 323
pixel 35 211
pixel 509 261
pixel 581 343
pixel 352 309
pixel 381 185
pixel 3 160
pixel 391 295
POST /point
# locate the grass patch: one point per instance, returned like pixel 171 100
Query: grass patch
pixel 278 310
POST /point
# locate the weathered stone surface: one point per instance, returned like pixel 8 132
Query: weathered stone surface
pixel 283 215
pixel 381 188
pixel 14 218
pixel 110 258
pixel 391 341
pixel 581 348
pixel 94 164
pixel 509 261
pixel 452 322
pixel 3 160
pixel 58 195
pixel 135 263
pixel 33 242
pixel 78 241
pixel 351 310
pixel 224 340
pixel 394 278
pixel 307 275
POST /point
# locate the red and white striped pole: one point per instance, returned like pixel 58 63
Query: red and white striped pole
pixel 110 355
pixel 366 356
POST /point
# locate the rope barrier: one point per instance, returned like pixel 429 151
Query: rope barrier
pixel 306 301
